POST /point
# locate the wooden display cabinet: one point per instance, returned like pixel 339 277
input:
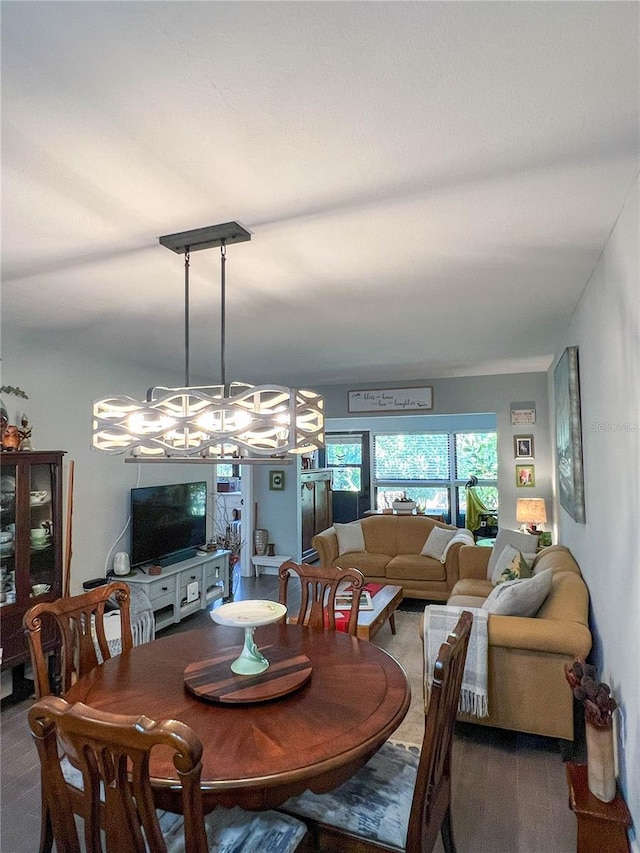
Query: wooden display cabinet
pixel 31 502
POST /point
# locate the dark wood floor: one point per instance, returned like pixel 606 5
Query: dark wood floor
pixel 510 793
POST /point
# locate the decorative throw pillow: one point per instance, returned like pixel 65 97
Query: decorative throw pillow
pixel 523 542
pixel 436 542
pixel 522 597
pixel 502 562
pixel 517 568
pixel 350 537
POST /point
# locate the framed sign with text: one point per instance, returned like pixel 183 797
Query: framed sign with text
pixel 523 417
pixel 392 400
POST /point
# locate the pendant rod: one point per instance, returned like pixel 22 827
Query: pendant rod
pixel 223 261
pixel 186 317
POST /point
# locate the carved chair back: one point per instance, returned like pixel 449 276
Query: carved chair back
pixel 319 586
pixel 430 808
pixel 80 621
pixel 112 751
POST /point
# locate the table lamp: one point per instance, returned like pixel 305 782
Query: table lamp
pixel 531 512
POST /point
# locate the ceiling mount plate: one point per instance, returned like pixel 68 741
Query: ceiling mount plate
pixel 205 238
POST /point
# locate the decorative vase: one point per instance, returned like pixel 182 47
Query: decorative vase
pixel 260 541
pixel 601 771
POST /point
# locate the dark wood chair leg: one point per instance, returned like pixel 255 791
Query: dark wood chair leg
pixel 447 832
pixel 46 829
pixel 392 622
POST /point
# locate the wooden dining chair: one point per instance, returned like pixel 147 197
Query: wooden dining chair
pixel 401 799
pixel 80 625
pixel 113 753
pixel 79 621
pixel 319 586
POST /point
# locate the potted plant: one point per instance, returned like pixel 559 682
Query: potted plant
pixel 404 505
pixel 599 706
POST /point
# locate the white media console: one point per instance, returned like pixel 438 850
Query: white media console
pixel 184 588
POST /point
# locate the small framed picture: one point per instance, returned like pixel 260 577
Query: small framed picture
pixel 276 481
pixel 525 475
pixel 523 446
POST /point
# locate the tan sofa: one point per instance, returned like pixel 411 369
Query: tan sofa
pixel 528 691
pixel 393 544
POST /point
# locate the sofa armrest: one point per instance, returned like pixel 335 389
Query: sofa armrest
pixel 473 561
pixel 326 544
pixel 540 635
pixel 452 564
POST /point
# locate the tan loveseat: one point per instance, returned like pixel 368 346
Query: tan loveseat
pixel 392 555
pixel 528 691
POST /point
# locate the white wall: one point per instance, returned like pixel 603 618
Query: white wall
pixel 62 387
pixel 279 512
pixel 606 329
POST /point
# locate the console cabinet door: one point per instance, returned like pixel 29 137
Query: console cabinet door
pixel 316 508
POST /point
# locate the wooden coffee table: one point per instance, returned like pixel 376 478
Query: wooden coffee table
pixel 385 603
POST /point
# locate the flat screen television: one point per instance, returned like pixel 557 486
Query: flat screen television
pixel 168 523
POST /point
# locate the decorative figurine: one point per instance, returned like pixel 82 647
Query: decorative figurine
pixel 25 434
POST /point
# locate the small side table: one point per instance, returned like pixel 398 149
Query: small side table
pixel 601 826
pixel 264 562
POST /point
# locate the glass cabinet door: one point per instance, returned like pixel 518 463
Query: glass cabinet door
pixel 42 533
pixel 30 553
pixel 8 534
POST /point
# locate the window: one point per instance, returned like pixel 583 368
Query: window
pixel 344 457
pixel 433 467
pixel 226 473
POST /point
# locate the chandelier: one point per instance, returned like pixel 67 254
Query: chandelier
pixel 219 423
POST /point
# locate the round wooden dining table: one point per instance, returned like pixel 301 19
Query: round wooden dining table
pixel 256 755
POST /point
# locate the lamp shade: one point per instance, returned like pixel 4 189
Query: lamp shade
pixel 531 511
pixel 258 421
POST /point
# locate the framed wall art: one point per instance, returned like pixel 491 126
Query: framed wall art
pixel 276 481
pixel 525 476
pixel 566 388
pixel 523 446
pixel 523 415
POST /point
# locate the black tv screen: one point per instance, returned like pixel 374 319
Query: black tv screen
pixel 168 522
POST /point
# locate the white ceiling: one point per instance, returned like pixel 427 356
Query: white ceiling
pixel 428 184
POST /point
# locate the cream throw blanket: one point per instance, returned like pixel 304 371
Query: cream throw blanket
pixel 439 621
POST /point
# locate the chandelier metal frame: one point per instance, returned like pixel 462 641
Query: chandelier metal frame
pixel 219 423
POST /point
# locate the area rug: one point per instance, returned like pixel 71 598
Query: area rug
pixel 406 647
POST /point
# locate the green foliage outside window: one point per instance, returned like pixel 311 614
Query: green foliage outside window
pixel 344 454
pixel 416 463
pixel 347 479
pixel 476 454
pixel 345 459
pixel 414 456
